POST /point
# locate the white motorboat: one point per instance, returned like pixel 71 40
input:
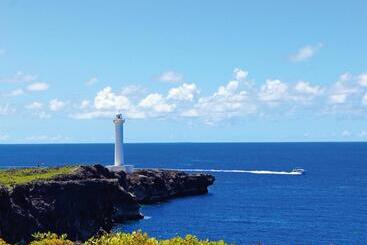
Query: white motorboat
pixel 299 171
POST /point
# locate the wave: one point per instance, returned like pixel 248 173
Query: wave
pixel 239 171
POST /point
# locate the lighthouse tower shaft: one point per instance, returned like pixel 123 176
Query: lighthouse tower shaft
pixel 119 140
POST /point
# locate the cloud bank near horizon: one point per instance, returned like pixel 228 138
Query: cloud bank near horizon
pixel 240 97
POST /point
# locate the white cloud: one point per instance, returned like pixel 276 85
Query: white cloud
pixel 6 110
pixel 305 52
pixel 170 76
pixel 34 106
pixel 227 90
pixel 190 113
pixel 56 105
pixel 362 79
pixel 304 92
pixel 346 133
pixel 16 92
pixel 240 74
pixel 345 77
pixel 131 90
pixel 273 91
pixel 151 100
pixel 4 137
pixel 38 86
pixel 41 114
pixel 91 81
pixel 337 98
pixel 341 90
pixel 106 99
pixel 85 104
pixel 93 114
pixel 19 77
pixel 156 102
pixel 136 114
pixel 132 113
pixel 236 99
pixel 107 102
pixel 184 92
pixel 227 102
pixel 303 87
pixel 364 99
pixel 46 138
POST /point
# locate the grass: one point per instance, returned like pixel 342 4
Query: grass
pixel 12 177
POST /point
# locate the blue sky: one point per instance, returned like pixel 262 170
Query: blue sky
pixel 183 71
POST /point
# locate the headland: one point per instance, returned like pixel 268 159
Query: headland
pixel 85 200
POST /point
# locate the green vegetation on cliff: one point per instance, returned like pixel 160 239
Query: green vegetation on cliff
pixel 135 238
pixel 11 177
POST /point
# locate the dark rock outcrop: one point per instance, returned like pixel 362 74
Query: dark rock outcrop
pixel 79 204
pixel 90 199
pixel 150 186
pixel 94 172
pixel 15 223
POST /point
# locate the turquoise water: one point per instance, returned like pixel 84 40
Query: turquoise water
pixel 327 205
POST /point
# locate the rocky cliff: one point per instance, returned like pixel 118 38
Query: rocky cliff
pixel 89 200
pixel 151 186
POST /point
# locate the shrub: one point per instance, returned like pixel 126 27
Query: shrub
pixel 134 238
pixel 189 240
pixel 50 239
pixel 2 242
pixel 140 238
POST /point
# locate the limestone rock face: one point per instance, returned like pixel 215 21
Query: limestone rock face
pixel 78 205
pixel 14 221
pixel 150 186
pixel 94 172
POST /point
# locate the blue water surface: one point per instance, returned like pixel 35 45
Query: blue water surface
pixel 328 205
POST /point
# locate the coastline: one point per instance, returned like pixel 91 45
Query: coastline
pixel 89 200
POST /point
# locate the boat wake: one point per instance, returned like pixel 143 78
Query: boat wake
pixel 293 172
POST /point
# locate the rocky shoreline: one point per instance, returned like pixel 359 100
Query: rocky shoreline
pixel 90 200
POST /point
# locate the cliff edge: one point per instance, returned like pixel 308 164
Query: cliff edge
pixel 90 199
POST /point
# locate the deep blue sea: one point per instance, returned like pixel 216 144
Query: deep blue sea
pixel 328 205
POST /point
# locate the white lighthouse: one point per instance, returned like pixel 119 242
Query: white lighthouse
pixel 119 140
pixel 119 146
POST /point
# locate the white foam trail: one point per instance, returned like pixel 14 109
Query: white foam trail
pixel 239 171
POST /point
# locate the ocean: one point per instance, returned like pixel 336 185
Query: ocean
pixel 327 205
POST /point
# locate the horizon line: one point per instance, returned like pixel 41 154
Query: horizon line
pixel 186 142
